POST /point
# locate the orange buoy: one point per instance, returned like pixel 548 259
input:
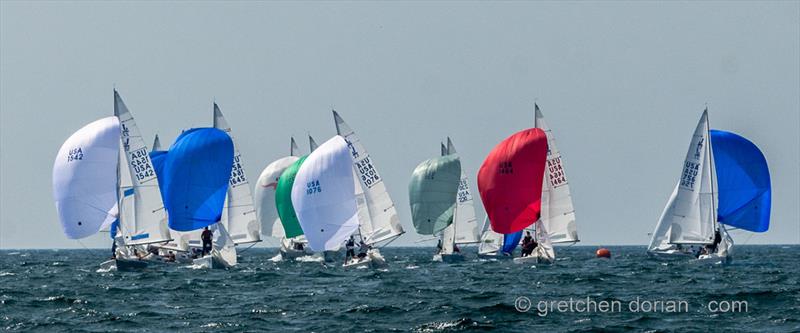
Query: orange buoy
pixel 603 253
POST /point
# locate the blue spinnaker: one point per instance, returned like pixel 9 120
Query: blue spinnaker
pixel 196 174
pixel 742 182
pixel 510 241
pixel 158 158
pixel 113 230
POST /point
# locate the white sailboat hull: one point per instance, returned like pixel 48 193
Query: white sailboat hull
pixel 210 261
pixel 374 259
pixel 533 259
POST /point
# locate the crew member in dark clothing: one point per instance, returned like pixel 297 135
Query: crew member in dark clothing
pixel 114 249
pixel 712 248
pixel 439 246
pixel 207 237
pixel 350 246
pixel 528 244
pixel 363 248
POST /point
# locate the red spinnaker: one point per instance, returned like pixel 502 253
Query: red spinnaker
pixel 510 181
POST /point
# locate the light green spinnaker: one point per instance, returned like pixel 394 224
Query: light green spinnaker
pixel 283 200
pixel 432 193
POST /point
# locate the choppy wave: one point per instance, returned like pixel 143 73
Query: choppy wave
pixel 65 291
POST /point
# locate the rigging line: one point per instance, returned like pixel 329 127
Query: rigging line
pixel 249 247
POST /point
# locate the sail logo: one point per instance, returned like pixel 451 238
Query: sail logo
pixel 237 173
pixel 75 154
pixel 699 147
pixel 555 172
pixel 352 148
pixel 313 187
pixel 369 176
pixel 142 169
pixel 506 168
pixel 126 137
pixel 689 175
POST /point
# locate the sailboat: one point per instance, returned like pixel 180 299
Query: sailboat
pixel 266 208
pixel 323 196
pixel 81 173
pixel 195 184
pixel 510 183
pixel 379 224
pixel 239 216
pixel 433 194
pixel 725 181
pixel 557 211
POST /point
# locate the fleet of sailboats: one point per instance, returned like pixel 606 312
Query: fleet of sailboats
pixel 157 203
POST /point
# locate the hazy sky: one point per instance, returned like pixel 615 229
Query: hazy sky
pixel 622 84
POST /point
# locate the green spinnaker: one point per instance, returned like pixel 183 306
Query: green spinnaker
pixel 283 200
pixel 432 193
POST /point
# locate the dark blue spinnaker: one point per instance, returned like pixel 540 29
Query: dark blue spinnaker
pixel 510 241
pixel 196 173
pixel 742 182
pixel 158 158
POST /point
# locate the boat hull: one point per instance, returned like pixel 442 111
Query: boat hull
pixel 374 259
pixel 124 265
pixel 210 262
pixel 449 258
pixel 533 259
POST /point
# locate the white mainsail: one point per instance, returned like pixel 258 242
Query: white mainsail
pixel 85 178
pixel 557 212
pixel 383 223
pixel 491 241
pixel 464 221
pixel 240 217
pixel 150 219
pixel 323 196
pixel 692 214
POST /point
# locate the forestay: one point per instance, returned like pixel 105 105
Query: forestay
pixel 324 197
pixel 240 220
pixel 150 220
pixel 196 172
pixel 85 178
pixel 692 215
pixel 558 214
pixel 383 223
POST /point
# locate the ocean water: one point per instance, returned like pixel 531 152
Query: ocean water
pixel 63 291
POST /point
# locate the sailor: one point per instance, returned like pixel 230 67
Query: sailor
pixel 114 249
pixel 350 246
pixel 712 248
pixel 456 249
pixel 528 244
pixel 362 249
pixel 439 246
pixel 207 237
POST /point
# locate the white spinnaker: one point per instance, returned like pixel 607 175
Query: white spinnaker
pixel 692 215
pixel 150 215
pixel 383 221
pixel 660 238
pixel 557 213
pixel 240 217
pixel 466 225
pixel 491 241
pixel 85 178
pixel 323 196
pixel 266 211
